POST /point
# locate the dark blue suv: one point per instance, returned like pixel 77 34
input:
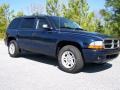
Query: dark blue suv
pixel 61 38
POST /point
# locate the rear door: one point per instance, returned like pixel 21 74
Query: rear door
pixel 25 31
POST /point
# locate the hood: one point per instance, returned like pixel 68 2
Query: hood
pixel 86 33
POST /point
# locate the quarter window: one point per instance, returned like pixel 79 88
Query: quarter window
pixel 15 23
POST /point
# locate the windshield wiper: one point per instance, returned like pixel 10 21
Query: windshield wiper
pixel 67 27
pixel 78 29
pixel 73 28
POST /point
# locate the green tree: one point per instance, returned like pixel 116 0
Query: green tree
pixel 78 11
pixel 18 14
pixel 3 17
pixel 53 7
pixel 6 15
pixel 111 15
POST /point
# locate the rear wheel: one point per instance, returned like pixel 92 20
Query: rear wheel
pixel 13 49
pixel 70 59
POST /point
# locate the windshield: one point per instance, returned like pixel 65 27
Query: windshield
pixel 65 23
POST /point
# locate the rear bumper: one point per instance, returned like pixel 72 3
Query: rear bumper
pixel 99 56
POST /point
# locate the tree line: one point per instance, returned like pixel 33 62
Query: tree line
pixel 75 10
pixel 6 15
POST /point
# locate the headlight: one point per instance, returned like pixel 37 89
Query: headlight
pixel 96 45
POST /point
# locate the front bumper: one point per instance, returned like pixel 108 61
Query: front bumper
pixel 99 56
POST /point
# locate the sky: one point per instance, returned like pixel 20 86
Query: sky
pixel 24 5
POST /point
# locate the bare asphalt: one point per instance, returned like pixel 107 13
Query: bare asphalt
pixel 38 72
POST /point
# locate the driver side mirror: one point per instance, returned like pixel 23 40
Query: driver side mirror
pixel 46 27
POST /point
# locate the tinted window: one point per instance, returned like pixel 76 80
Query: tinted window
pixel 15 23
pixel 41 23
pixel 28 23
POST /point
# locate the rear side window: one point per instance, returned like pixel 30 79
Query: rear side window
pixel 15 23
pixel 28 23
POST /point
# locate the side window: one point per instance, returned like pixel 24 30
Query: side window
pixel 42 22
pixel 15 23
pixel 28 23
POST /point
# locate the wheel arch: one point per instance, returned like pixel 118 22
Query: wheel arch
pixel 9 39
pixel 64 43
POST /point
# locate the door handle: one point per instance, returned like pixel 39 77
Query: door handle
pixel 18 34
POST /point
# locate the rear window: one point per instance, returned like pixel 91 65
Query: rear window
pixel 15 23
pixel 28 23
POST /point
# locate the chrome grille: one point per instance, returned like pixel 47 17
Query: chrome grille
pixel 111 43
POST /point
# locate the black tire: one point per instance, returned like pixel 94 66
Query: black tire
pixel 78 62
pixel 16 51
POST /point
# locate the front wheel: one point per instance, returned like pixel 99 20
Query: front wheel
pixel 13 49
pixel 70 59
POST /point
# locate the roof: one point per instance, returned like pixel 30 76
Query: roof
pixel 33 16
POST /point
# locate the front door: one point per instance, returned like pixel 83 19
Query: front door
pixel 44 39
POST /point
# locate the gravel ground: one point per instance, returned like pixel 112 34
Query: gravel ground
pixel 38 72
